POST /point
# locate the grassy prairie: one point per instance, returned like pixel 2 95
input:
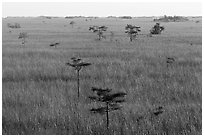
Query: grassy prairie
pixel 39 91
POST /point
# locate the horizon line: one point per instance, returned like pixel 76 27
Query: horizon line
pixel 106 16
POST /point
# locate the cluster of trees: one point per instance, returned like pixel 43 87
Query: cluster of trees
pixel 46 17
pixel 72 17
pixel 14 26
pixel 125 17
pixel 131 30
pixel 106 100
pixel 22 35
pixel 172 19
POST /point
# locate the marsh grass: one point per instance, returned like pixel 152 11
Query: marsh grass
pixel 38 91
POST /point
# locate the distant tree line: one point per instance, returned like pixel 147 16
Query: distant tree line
pixel 125 17
pixel 171 19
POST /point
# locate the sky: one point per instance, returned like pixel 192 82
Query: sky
pixel 101 9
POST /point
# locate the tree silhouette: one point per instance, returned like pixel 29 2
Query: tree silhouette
pixel 23 36
pixel 72 23
pixel 132 31
pixel 110 101
pixel 77 64
pixel 99 31
pixel 157 29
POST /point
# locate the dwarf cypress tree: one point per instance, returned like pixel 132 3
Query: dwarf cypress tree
pixel 77 64
pixel 132 31
pixel 23 36
pixel 157 29
pixel 110 101
pixel 99 30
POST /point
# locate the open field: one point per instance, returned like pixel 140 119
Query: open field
pixel 39 93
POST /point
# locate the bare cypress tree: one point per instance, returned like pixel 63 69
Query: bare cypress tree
pixel 99 30
pixel 77 64
pixel 110 101
pixel 132 31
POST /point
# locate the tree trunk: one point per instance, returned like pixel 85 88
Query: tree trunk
pixel 78 82
pixel 107 118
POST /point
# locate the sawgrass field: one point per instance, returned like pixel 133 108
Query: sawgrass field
pixel 39 92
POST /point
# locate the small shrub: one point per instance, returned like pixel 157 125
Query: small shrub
pixel 54 44
pixel 169 60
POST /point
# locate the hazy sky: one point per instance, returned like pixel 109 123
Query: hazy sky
pixel 100 9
